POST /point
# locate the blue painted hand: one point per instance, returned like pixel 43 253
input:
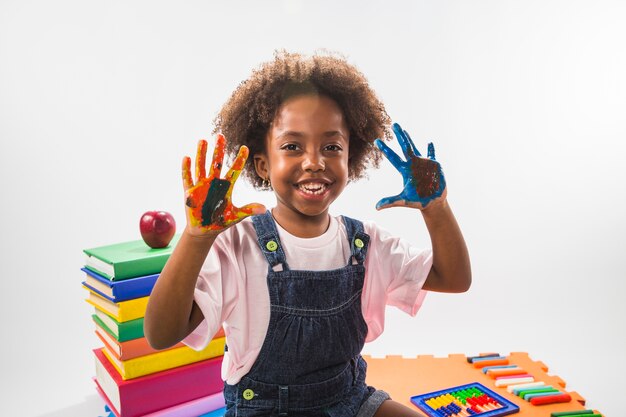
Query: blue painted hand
pixel 423 178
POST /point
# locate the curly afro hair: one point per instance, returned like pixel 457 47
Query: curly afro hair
pixel 246 117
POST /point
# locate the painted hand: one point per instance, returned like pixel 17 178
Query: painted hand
pixel 209 206
pixel 423 178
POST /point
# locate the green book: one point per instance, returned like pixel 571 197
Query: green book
pixel 122 332
pixel 128 259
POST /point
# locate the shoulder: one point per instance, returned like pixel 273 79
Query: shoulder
pixel 375 231
pixel 378 236
pixel 372 227
pixel 385 243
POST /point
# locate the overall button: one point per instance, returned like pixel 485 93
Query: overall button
pixel 248 394
pixel 271 246
pixel 358 243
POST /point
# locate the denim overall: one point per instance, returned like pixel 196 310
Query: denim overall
pixel 310 362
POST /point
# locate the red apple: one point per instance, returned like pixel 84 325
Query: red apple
pixel 157 228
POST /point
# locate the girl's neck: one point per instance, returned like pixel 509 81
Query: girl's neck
pixel 302 226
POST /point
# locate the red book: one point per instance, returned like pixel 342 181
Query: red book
pixel 139 396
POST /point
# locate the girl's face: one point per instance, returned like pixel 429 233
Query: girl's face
pixel 306 158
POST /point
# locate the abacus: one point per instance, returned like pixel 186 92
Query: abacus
pixel 464 400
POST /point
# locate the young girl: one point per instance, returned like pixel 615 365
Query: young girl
pixel 298 291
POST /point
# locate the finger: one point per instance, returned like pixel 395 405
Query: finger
pixel 251 209
pixel 187 180
pixel 390 154
pixel 201 160
pixel 238 164
pixel 218 157
pixel 389 202
pixel 405 142
pixel 431 151
pixel 413 148
pixel 233 215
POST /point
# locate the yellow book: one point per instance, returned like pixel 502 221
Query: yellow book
pixel 121 311
pixel 167 359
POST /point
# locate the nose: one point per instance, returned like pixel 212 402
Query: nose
pixel 313 161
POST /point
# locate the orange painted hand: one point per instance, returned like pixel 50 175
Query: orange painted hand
pixel 209 206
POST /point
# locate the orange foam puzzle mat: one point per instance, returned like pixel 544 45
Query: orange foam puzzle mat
pixel 404 378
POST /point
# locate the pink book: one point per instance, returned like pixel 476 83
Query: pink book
pixel 158 391
pixel 191 408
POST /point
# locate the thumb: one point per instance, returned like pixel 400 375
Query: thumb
pixel 387 202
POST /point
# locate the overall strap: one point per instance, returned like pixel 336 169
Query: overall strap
pixel 359 240
pixel 267 237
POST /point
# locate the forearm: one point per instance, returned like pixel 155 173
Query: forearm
pixel 171 313
pixel 451 270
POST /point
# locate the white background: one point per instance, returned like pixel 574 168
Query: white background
pixel 525 101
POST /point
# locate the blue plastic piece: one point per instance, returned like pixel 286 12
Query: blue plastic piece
pixel 530 396
pixel 516 391
pixel 487 358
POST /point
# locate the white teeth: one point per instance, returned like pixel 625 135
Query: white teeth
pixel 313 187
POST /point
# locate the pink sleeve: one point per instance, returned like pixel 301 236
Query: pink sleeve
pixel 215 293
pixel 395 274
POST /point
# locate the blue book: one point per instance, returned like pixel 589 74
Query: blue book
pixel 217 413
pixel 117 291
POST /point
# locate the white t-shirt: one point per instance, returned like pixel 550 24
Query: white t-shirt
pixel 232 286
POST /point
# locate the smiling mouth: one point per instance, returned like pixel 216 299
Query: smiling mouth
pixel 313 188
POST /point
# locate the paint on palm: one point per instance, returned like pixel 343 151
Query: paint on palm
pixel 423 177
pixel 209 200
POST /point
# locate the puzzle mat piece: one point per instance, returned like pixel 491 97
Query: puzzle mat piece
pixel 403 378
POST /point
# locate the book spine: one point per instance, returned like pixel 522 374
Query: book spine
pixel 126 289
pixel 134 287
pixel 160 361
pixel 220 412
pixel 140 347
pixel 139 267
pixel 134 348
pixel 193 408
pixel 132 309
pixel 163 389
pixel 132 329
pixel 125 331
pixel 122 311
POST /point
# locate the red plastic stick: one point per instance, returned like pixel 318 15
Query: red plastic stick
pixel 551 399
pixel 490 362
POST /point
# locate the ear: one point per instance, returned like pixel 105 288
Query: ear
pixel 261 165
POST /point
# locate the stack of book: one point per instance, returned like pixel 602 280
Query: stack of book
pixel 133 378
